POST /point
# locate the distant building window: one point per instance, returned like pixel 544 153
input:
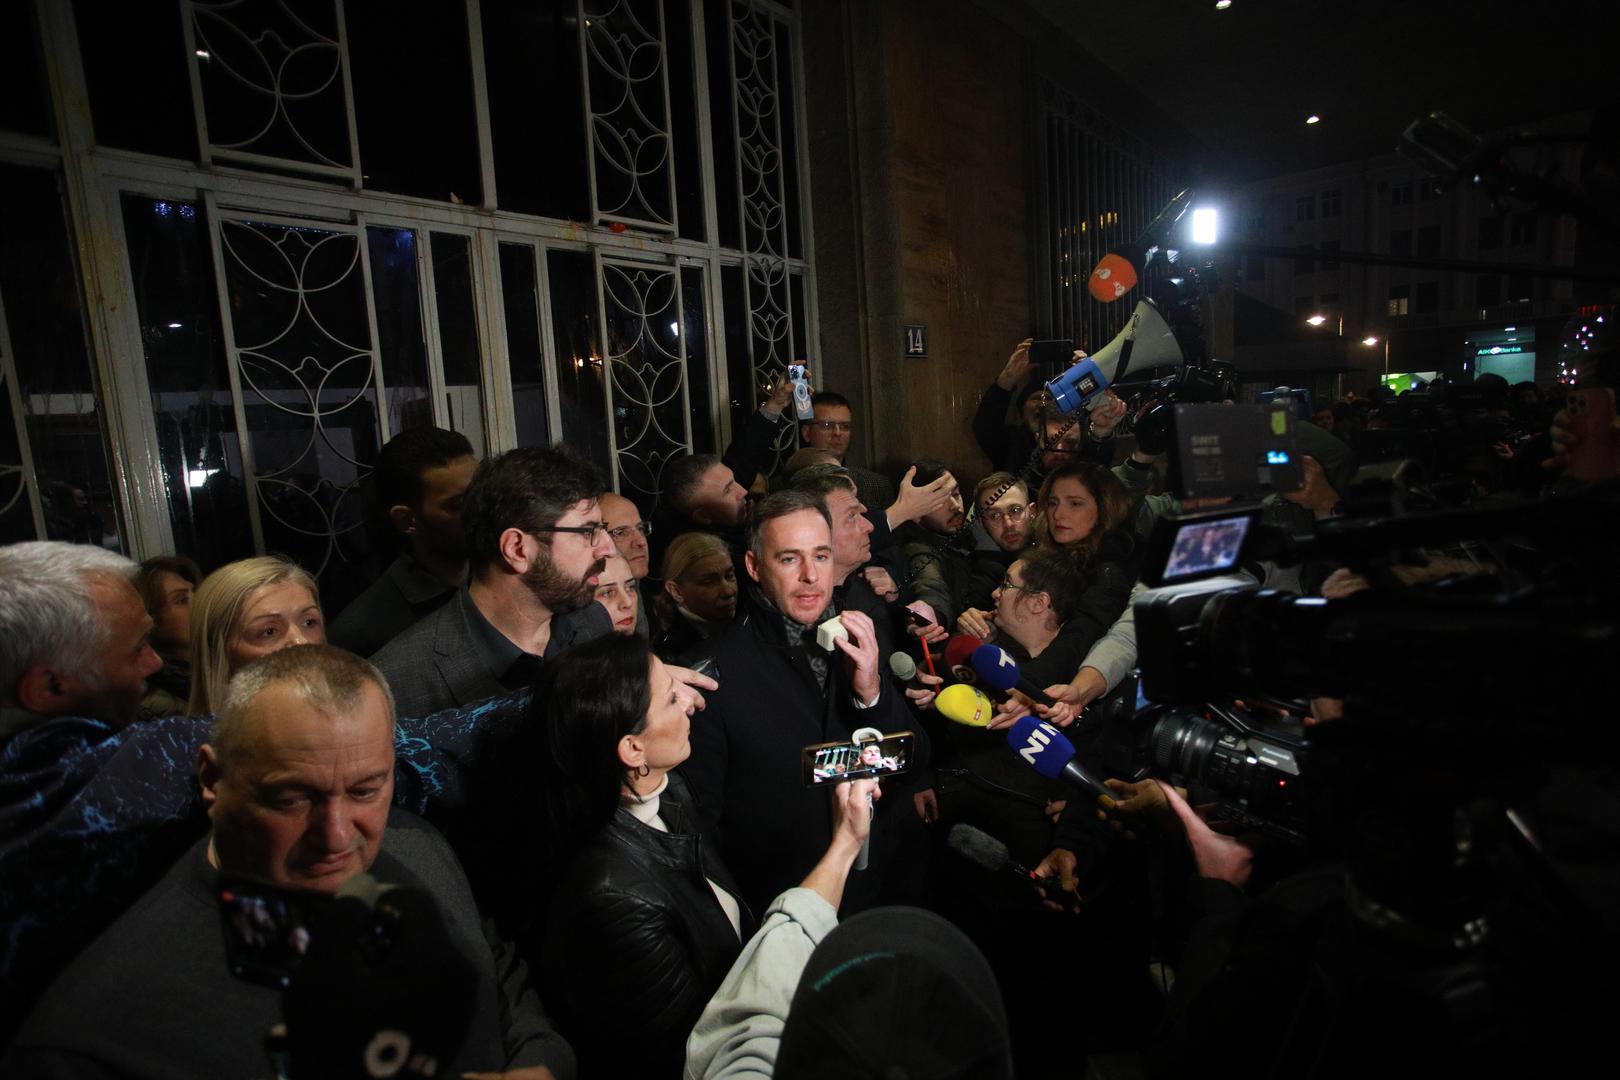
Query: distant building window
pixel 1328 303
pixel 1519 288
pixel 1305 208
pixel 1330 203
pixel 1304 264
pixel 1400 242
pixel 1254 268
pixel 1488 290
pixel 1400 194
pixel 1426 298
pixel 1428 241
pixel 1490 232
pixel 1428 190
pixel 1329 247
pixel 1400 297
pixel 1304 305
pixel 1522 229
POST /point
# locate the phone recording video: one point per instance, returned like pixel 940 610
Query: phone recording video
pixel 837 762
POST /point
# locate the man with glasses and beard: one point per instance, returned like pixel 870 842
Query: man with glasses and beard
pixel 536 543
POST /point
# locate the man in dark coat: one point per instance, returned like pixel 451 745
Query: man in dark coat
pixel 779 692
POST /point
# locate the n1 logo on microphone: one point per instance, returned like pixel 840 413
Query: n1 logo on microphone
pixel 1040 737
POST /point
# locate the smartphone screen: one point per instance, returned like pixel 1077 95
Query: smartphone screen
pixel 836 762
pixel 266 928
pixel 1051 356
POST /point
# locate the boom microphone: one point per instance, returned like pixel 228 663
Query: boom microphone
pixel 965 705
pixel 1049 753
pixel 999 671
pixel 1118 272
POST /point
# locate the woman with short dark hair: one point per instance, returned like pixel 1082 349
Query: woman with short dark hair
pixel 645 922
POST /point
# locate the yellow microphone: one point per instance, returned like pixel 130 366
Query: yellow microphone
pixel 965 705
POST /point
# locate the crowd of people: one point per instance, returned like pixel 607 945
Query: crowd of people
pixel 575 726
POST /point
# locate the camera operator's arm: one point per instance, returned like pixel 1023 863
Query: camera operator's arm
pixel 1317 496
pixel 741 1027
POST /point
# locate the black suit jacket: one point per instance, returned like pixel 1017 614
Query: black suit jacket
pixel 745 772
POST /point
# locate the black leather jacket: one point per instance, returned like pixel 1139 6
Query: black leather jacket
pixel 636 942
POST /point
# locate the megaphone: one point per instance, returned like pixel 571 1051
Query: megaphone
pixel 1147 338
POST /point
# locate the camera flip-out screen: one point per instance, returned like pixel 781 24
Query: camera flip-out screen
pixel 1186 547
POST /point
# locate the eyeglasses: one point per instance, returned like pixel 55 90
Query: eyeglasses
pixel 1014 513
pixel 833 425
pixel 592 530
pixel 1008 583
pixel 621 532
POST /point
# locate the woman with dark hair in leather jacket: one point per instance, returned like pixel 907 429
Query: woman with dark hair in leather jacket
pixel 645 920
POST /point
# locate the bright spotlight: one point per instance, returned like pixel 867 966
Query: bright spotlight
pixel 1204 225
pixel 1222 5
pixel 1369 341
pixel 1313 119
pixel 1317 320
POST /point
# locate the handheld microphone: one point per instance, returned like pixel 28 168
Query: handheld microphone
pixel 999 671
pixel 1049 753
pixel 958 657
pixel 904 668
pixel 965 705
pixel 1118 272
pixel 991 855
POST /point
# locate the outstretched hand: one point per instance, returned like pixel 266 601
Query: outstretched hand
pixel 1018 366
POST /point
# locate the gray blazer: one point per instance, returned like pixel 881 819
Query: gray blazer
pixel 444 661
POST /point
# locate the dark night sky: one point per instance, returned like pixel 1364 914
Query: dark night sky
pixel 1243 80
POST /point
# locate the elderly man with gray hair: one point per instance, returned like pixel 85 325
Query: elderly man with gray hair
pixel 75 638
pixel 298 778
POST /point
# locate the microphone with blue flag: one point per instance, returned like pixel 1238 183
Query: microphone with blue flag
pixel 998 670
pixel 1046 750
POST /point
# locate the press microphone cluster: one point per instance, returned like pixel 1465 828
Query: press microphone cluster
pixel 998 670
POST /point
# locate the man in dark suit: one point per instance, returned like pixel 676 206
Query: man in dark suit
pixel 536 543
pixel 420 481
pixel 779 692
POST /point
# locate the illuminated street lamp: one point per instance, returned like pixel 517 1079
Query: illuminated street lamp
pixel 1317 320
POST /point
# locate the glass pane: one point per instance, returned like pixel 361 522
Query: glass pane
pixel 397 296
pixel 520 301
pixel 536 107
pixel 24 103
pixel 39 287
pixel 458 337
pixel 271 79
pixel 739 368
pixel 723 125
pixel 642 306
pixel 298 308
pixel 571 278
pixel 695 324
pixel 801 348
pixel 135 65
pixel 683 117
pixel 413 99
pixel 173 277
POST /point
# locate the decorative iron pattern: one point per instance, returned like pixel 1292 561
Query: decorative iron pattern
pixel 1097 187
pixel 645 345
pixel 271 88
pixel 627 112
pixel 757 101
pixel 306 382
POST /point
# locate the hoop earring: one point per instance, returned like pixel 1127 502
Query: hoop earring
pixel 643 771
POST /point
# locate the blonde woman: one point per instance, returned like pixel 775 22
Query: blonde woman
pixel 700 592
pixel 245 610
